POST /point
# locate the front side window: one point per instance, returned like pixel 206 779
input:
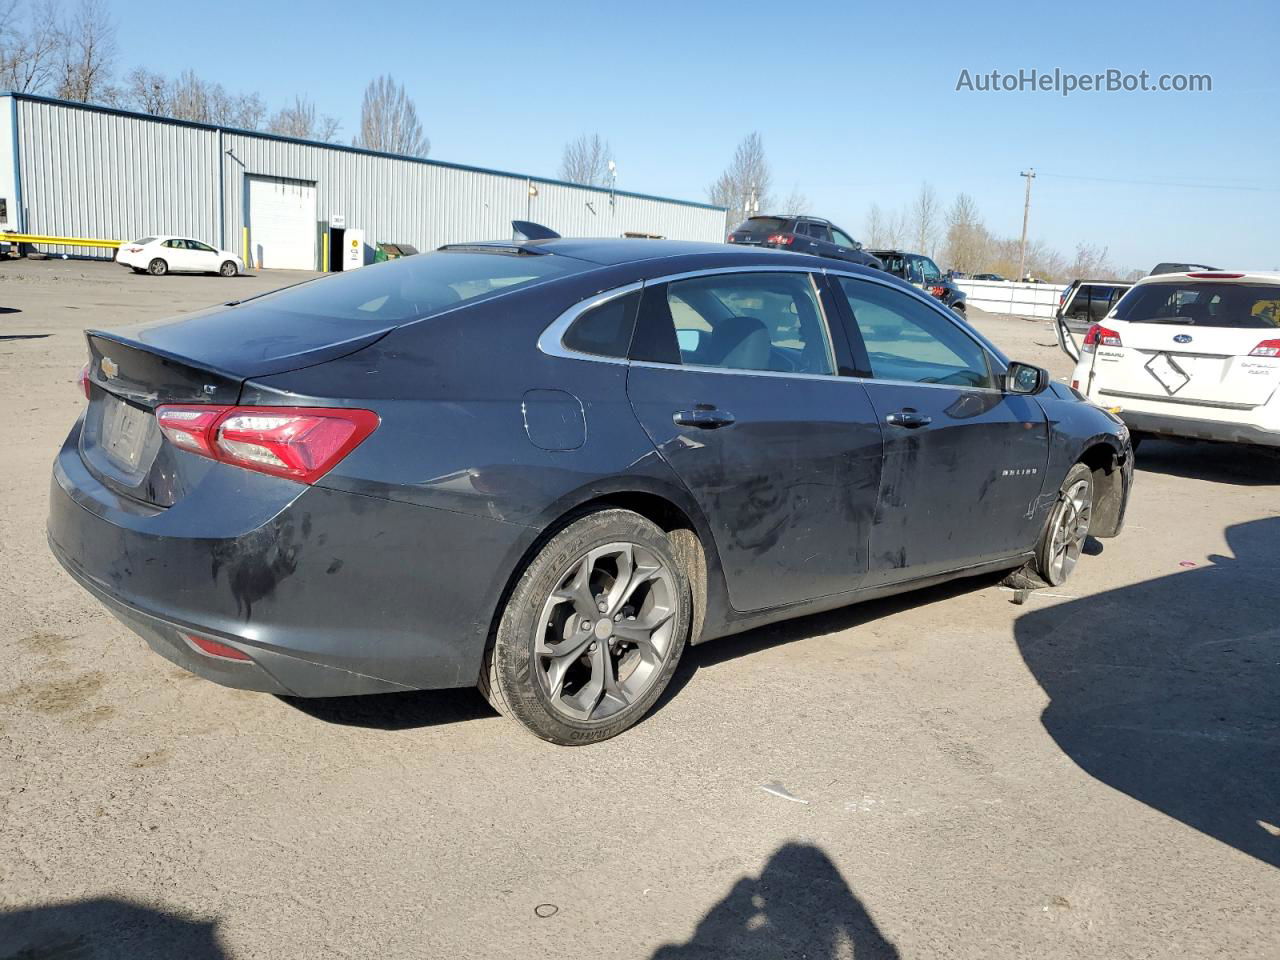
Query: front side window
pixel 842 239
pixel 202 247
pixel 928 269
pixel 751 321
pixel 908 340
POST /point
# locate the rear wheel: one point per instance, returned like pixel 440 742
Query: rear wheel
pixel 1064 537
pixel 229 269
pixel 157 267
pixel 592 632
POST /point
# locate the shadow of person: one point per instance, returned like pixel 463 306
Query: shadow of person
pixel 104 929
pixel 1169 690
pixel 799 906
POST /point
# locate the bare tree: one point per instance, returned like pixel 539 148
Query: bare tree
pixel 744 187
pixel 191 98
pixel 1091 263
pixel 586 161
pixel 88 51
pixel 299 120
pixel 925 211
pixel 389 121
pixel 968 241
pixel 796 203
pixel 874 226
pixel 29 51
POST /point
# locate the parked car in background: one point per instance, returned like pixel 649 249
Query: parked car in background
pixel 1188 355
pixel 160 255
pixel 920 271
pixel 813 235
pixel 1085 302
pixel 385 480
pixel 1160 268
pixel 988 276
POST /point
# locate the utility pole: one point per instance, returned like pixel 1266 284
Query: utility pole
pixel 1026 212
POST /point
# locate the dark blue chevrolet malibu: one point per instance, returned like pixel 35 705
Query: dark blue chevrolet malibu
pixel 544 467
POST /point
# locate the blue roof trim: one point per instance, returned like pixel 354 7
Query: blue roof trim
pixel 173 121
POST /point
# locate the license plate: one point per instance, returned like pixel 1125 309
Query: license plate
pixel 1171 376
pixel 124 432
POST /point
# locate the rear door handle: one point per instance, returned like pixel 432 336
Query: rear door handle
pixel 909 419
pixel 703 419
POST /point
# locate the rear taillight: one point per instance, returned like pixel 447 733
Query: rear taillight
pixel 134 249
pixel 1098 334
pixel 84 380
pixel 938 292
pixel 300 443
pixel 782 239
pixel 729 239
pixel 1267 348
pixel 1215 275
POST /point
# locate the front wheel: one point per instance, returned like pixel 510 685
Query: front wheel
pixel 229 269
pixel 157 267
pixel 1064 537
pixel 592 632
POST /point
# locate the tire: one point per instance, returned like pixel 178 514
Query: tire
pixel 229 269
pixel 1064 535
pixel 556 665
pixel 157 267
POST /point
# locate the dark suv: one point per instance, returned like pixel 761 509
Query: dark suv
pixel 813 235
pixel 920 271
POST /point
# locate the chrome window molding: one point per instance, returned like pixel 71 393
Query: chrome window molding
pixel 551 341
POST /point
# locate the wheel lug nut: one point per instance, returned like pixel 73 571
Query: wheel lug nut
pixel 602 607
pixel 586 624
pixel 617 617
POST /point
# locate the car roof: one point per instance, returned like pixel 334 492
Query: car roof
pixel 1219 276
pixel 613 251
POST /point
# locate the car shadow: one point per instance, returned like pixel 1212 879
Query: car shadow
pixel 723 649
pixel 396 711
pixel 1232 463
pixel 104 929
pixel 799 906
pixel 1169 690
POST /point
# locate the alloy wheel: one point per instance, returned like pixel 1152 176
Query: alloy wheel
pixel 1070 529
pixel 605 631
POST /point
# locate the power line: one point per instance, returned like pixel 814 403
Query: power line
pixel 1164 183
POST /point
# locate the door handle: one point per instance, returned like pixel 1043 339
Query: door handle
pixel 703 419
pixel 909 419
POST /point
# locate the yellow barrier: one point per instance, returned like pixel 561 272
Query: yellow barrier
pixel 58 241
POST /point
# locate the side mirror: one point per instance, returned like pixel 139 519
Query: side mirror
pixel 1025 379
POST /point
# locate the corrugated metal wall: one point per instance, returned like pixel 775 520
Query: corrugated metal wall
pixel 99 173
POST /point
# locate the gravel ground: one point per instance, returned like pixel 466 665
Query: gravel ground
pixel 1091 774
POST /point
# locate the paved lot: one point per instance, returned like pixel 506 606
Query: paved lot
pixel 1095 773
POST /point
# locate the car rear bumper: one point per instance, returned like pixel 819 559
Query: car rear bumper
pixel 328 592
pixel 1194 428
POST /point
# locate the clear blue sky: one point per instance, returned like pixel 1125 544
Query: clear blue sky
pixel 856 102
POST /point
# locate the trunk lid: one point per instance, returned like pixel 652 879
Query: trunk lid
pixel 135 370
pixel 1212 366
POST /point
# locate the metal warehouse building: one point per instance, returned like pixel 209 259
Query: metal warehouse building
pixel 73 170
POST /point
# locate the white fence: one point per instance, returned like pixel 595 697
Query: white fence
pixel 1017 299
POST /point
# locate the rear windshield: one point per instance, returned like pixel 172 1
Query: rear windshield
pixel 414 287
pixel 1241 305
pixel 757 226
pixel 143 241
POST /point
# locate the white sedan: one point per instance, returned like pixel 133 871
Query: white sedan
pixel 1188 355
pixel 160 255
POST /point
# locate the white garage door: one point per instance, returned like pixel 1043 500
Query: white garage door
pixel 282 223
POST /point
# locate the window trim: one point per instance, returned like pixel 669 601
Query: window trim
pixel 550 341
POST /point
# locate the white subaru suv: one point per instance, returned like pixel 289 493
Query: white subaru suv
pixel 1188 355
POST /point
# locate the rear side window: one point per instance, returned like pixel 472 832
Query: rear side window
pixel 413 287
pixel 750 321
pixel 1234 305
pixel 820 231
pixel 605 331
